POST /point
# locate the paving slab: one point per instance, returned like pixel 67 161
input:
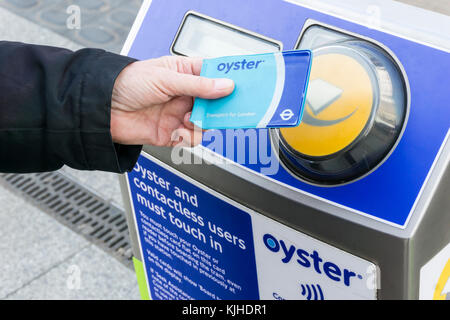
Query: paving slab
pixel 31 243
pixel 100 23
pixel 21 30
pixel 89 274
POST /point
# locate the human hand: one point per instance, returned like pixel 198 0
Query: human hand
pixel 152 101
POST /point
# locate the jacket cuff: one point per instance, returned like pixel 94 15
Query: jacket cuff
pixel 100 152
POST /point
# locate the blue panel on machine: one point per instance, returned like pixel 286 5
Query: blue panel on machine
pixel 194 245
pixel 387 194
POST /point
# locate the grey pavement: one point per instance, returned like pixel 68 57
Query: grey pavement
pixel 42 259
pixel 39 257
pixel 15 28
pixel 440 6
pixel 102 24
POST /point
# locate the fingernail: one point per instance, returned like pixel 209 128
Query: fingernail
pixel 223 84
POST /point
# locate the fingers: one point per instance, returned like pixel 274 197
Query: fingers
pixel 188 65
pixel 179 76
pixel 188 134
pixel 184 137
pixel 191 126
pixel 187 123
pixel 180 84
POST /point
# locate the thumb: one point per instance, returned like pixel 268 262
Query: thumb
pixel 180 84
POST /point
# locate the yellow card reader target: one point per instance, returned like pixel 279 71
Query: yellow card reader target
pixel 339 105
pixel 355 110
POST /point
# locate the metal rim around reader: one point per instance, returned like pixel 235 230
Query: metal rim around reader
pixel 376 140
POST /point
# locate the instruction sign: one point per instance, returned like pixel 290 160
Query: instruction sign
pixel 198 244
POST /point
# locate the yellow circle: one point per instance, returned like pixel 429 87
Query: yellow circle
pixel 352 108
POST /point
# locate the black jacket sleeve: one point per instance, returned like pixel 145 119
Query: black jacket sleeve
pixel 55 109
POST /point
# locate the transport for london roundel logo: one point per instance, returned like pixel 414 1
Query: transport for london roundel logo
pixel 339 104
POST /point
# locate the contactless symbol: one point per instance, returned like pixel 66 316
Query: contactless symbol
pixel 339 103
pixel 442 290
pixel 287 114
pixel 312 292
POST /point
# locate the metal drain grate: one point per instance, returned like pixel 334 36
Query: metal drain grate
pixel 76 207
